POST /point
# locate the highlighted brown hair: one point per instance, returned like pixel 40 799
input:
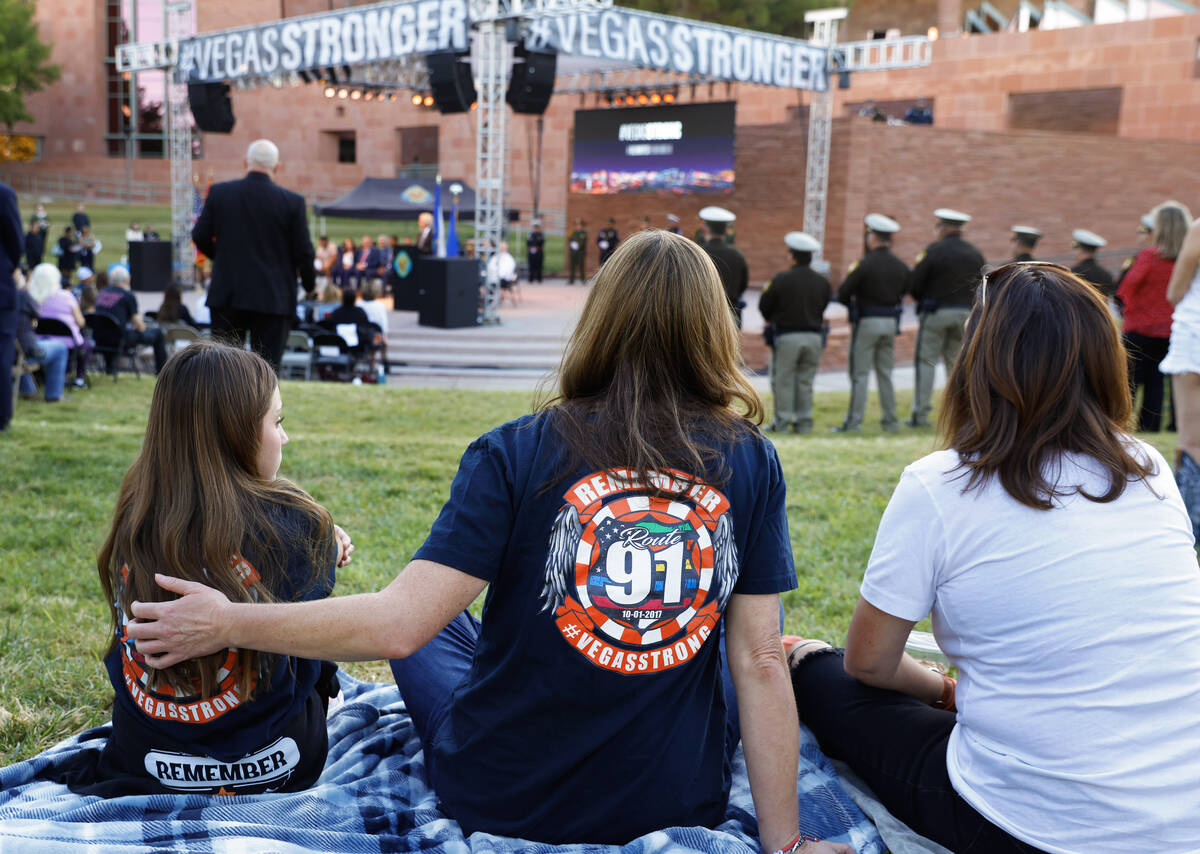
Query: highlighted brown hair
pixel 652 377
pixel 193 499
pixel 1041 372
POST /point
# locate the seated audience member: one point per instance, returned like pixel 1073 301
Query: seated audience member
pixel 331 299
pixel 693 470
pixel 214 443
pixel 503 266
pixel 343 267
pixel 348 311
pixel 324 258
pixel 119 303
pixel 173 309
pixel 375 310
pixel 50 353
pixel 366 261
pixel 87 293
pixel 58 303
pixel 1056 557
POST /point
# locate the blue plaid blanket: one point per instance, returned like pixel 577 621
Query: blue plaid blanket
pixel 372 797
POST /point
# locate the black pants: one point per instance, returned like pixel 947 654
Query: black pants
pixel 8 354
pixel 535 267
pixel 897 745
pixel 1145 353
pixel 268 332
pixel 152 336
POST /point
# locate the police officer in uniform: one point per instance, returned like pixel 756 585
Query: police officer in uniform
pixel 607 240
pixel 1086 265
pixel 943 284
pixel 731 264
pixel 577 252
pixel 535 248
pixel 794 303
pixel 1024 239
pixel 872 290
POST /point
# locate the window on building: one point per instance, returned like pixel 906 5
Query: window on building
pixel 416 149
pixel 136 108
pixel 338 146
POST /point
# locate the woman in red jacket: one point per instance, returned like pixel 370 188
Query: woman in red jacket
pixel 1147 326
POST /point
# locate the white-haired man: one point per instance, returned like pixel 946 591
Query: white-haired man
pixel 257 235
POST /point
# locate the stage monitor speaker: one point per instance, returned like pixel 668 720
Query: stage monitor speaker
pixel 447 292
pixel 532 81
pixel 149 265
pixel 450 81
pixel 211 107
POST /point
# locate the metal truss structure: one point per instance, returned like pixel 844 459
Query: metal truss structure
pixel 495 23
pixel 179 25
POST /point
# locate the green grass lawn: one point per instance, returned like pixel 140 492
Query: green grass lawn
pixel 381 459
pixel 109 222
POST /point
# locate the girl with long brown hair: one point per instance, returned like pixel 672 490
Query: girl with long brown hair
pixel 203 502
pixel 618 532
pixel 1053 552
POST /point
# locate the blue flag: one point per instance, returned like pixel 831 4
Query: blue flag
pixel 452 231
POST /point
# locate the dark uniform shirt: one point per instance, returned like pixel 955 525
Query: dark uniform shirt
pixel 879 280
pixel 948 272
pixel 534 243
pixel 731 267
pixel 579 238
pixel 607 240
pixel 1024 256
pixel 1089 270
pixel 795 300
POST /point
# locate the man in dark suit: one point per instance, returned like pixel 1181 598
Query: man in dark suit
pixel 366 263
pixel 10 259
pixel 256 233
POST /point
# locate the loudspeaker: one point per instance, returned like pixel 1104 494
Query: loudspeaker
pixel 447 292
pixel 532 81
pixel 450 81
pixel 211 107
pixel 149 265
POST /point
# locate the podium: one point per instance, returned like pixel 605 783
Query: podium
pixel 149 265
pixel 404 276
pixel 447 292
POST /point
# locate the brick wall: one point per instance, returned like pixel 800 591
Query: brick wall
pixel 1081 110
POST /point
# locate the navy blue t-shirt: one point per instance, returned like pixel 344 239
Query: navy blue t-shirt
pixel 225 726
pixel 593 710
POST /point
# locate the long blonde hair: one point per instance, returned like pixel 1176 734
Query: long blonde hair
pixel 1171 222
pixel 652 376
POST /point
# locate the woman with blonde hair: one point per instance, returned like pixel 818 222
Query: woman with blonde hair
pixel 203 501
pixel 1183 363
pixel 58 303
pixel 1147 313
pixel 1053 552
pixel 618 531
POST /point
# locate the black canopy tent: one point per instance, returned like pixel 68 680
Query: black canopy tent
pixel 398 199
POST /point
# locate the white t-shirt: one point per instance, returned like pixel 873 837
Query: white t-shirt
pixel 376 313
pixel 1076 632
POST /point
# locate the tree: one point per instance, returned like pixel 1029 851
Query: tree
pixel 782 17
pixel 24 65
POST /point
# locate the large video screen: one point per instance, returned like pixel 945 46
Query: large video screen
pixel 683 148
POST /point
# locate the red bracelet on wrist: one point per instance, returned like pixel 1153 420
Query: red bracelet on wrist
pixel 797 843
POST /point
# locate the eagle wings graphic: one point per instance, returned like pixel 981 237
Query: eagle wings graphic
pixel 564 543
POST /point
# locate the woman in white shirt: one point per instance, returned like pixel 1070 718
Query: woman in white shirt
pixel 1056 558
pixel 1183 363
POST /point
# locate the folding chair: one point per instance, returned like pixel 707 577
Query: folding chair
pixel 110 342
pixel 297 355
pixel 54 328
pixel 179 335
pixel 332 354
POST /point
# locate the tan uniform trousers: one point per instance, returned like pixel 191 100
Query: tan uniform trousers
pixel 940 336
pixel 793 369
pixel 873 346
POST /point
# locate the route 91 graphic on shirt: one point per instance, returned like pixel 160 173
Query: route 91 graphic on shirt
pixel 637 582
